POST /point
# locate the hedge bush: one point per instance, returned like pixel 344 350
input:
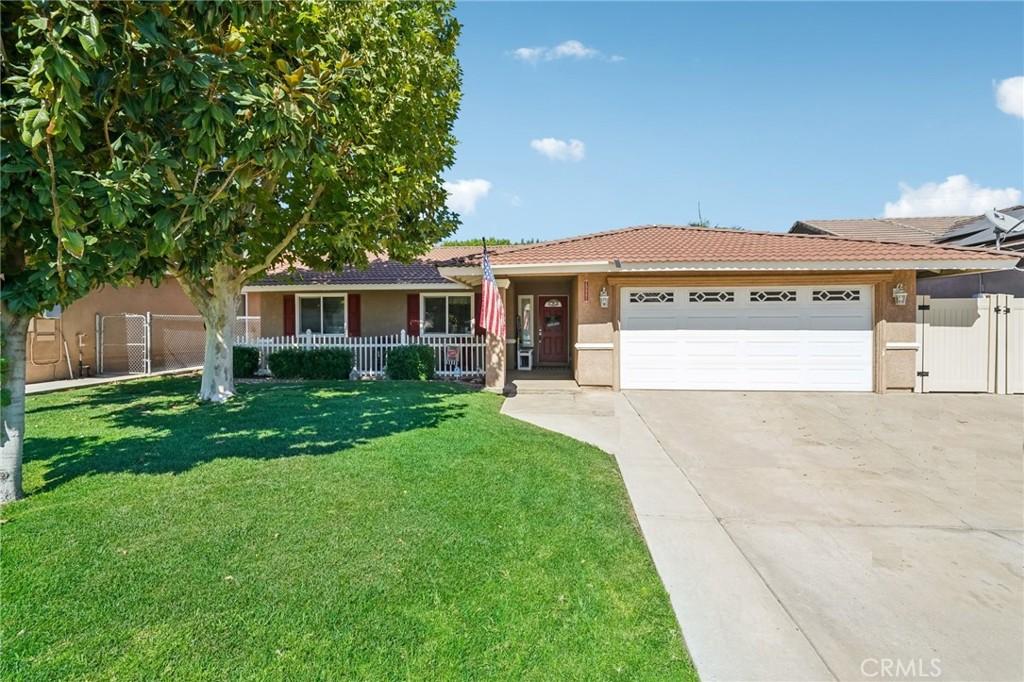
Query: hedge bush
pixel 314 363
pixel 246 361
pixel 411 362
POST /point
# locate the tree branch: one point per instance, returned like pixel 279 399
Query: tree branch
pixel 55 203
pixel 106 120
pixel 283 244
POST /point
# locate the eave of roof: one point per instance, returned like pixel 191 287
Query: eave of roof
pixel 722 247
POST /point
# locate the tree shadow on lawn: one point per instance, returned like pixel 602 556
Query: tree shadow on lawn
pixel 156 427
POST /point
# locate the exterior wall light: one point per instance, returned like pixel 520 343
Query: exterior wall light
pixel 603 296
pixel 899 294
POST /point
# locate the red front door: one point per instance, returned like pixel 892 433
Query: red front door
pixel 553 317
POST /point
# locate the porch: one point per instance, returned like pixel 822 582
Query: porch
pixel 455 355
pixel 541 380
pixel 562 325
pixel 540 329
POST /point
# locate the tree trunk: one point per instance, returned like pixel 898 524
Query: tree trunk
pixel 217 304
pixel 12 432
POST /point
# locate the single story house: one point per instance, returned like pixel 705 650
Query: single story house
pixel 652 307
pixel 974 231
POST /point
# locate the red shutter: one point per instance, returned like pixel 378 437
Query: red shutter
pixel 354 315
pixel 412 317
pixel 289 314
pixel 480 331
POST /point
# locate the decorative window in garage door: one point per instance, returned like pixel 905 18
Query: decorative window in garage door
pixel 652 297
pixel 828 295
pixel 712 297
pixel 773 296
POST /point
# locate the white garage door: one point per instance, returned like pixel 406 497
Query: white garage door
pixel 777 338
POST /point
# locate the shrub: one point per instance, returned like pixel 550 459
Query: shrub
pixel 246 361
pixel 411 362
pixel 315 363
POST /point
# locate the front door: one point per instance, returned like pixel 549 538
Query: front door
pixel 553 329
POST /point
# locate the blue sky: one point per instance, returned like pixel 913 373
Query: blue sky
pixel 765 113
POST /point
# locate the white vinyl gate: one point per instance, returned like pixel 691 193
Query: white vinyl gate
pixel 970 345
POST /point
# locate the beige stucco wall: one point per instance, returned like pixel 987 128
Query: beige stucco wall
pixel 594 325
pixel 271 306
pixel 46 360
pixel 382 312
pixel 898 369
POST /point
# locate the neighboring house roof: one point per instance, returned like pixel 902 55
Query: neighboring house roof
pixel 670 243
pixel 978 231
pixel 949 230
pixel 910 230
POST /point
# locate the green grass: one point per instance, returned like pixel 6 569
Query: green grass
pixel 320 531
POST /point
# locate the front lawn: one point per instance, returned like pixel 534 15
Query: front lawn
pixel 318 531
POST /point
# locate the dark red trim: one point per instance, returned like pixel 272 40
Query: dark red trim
pixel 412 314
pixel 354 315
pixel 480 331
pixel 289 314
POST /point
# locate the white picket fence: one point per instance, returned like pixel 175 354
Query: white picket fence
pixel 454 355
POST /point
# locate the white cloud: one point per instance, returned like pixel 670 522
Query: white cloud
pixel 956 196
pixel 1010 96
pixel 570 49
pixel 574 49
pixel 560 150
pixel 529 54
pixel 463 195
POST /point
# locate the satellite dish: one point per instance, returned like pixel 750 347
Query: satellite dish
pixel 1003 223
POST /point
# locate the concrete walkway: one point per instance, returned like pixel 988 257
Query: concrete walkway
pixel 735 628
pixel 65 384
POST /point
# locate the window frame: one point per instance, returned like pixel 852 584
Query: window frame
pixel 299 331
pixel 520 299
pixel 244 300
pixel 446 296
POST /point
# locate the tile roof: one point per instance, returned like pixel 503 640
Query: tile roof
pixel 380 270
pixel 671 243
pixel 909 230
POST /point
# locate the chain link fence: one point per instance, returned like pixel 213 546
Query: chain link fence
pixel 132 343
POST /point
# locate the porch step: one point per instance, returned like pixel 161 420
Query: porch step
pixel 518 386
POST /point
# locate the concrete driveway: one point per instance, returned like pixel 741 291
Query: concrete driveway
pixel 824 536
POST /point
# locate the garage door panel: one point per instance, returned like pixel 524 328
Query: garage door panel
pixel 742 338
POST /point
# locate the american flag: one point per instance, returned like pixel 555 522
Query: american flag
pixel 492 312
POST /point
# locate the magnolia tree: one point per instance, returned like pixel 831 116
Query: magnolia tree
pixel 299 132
pixel 69 192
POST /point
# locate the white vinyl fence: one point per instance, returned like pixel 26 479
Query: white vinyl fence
pixel 454 355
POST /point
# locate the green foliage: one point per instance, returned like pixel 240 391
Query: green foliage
pixel 491 241
pixel 68 198
pixel 411 362
pixel 315 363
pixel 315 131
pixel 246 361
